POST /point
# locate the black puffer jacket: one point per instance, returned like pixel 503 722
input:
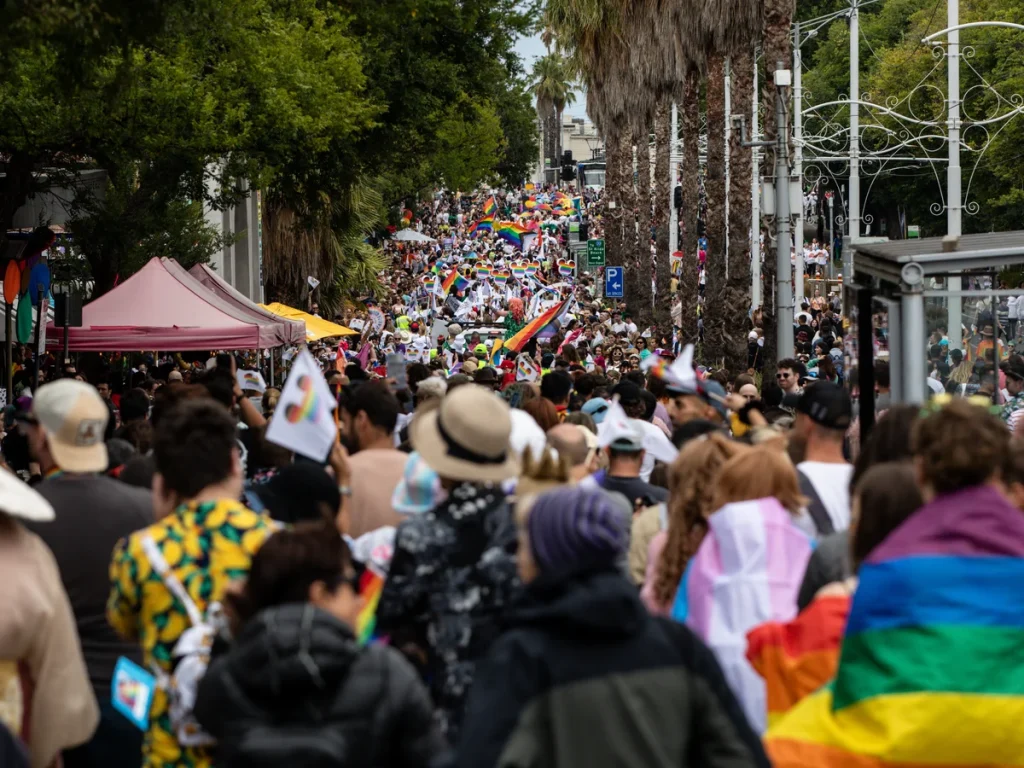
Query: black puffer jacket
pixel 297 690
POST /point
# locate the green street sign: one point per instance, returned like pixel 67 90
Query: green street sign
pixel 595 253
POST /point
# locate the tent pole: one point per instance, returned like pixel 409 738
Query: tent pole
pixel 272 367
pixel 9 351
pixel 40 322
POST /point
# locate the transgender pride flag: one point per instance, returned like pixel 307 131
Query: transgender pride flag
pixel 747 571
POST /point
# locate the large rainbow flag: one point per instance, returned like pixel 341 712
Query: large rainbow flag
pixel 931 671
pixel 546 323
pixel 454 280
pixel 512 233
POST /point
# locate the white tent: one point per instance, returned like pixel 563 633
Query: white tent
pixel 412 236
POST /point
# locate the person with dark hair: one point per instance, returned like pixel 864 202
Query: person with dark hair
pixel 369 413
pixel 824 414
pixel 297 688
pixel 135 405
pixel 556 387
pixel 788 374
pixel 617 686
pixel 204 538
pixel 883 396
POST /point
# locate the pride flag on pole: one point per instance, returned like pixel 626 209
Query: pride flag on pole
pixel 454 280
pixel 512 233
pixel 546 323
pixel 490 207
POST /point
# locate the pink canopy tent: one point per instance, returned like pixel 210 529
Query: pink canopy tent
pixel 278 330
pixel 159 307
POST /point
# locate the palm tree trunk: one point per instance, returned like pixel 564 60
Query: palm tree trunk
pixel 614 197
pixel 737 295
pixel 629 218
pixel 717 312
pixel 645 268
pixel 662 215
pixel 551 141
pixel 689 174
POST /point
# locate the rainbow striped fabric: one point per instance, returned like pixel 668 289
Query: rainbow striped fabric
pixel 370 588
pixel 931 671
pixel 454 280
pixel 547 322
pixel 490 207
pixel 799 657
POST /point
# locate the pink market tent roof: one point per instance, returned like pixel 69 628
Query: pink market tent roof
pixel 274 330
pixel 157 309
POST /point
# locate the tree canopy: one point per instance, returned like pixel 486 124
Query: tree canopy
pixel 318 103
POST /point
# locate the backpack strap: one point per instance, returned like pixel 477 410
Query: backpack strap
pixel 815 507
pixel 156 559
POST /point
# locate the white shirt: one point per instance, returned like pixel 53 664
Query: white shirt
pixel 619 327
pixel 832 483
pixel 631 327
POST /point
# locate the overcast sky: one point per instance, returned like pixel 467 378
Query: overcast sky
pixel 531 48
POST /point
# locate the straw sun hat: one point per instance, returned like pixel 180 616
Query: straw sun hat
pixel 466 438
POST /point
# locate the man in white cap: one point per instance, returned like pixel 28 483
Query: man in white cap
pixel 65 434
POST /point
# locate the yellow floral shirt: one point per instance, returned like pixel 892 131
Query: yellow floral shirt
pixel 207 546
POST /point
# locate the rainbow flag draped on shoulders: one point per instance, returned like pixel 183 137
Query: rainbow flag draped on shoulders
pixel 931 671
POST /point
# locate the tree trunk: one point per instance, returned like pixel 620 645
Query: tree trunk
pixel 614 197
pixel 663 215
pixel 689 174
pixel 717 311
pixel 740 167
pixel 629 229
pixel 645 268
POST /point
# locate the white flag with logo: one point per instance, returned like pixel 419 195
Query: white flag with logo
pixel 304 420
pixel 251 380
pixel 526 369
pixel 313 283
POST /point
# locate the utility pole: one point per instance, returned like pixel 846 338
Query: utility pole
pixel 954 310
pixel 755 199
pixel 854 192
pixel 783 226
pixel 798 162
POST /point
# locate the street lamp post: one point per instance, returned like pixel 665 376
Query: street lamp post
pixel 783 226
pixel 798 162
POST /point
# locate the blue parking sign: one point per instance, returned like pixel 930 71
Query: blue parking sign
pixel 613 282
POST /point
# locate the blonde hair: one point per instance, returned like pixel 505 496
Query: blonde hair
pixel 761 472
pixel 692 480
pixel 538 476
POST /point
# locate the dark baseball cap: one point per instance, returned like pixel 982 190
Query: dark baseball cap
pixel 827 405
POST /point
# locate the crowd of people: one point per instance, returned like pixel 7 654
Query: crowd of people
pixel 542 536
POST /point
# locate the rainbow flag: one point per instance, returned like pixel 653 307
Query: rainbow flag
pixel 546 323
pixel 454 280
pixel 530 203
pixel 931 671
pixel 799 657
pixel 370 587
pixel 485 224
pixel 512 233
pixel 490 207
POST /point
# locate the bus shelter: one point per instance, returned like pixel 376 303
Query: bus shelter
pixel 901 297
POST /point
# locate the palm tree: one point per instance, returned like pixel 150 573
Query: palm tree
pixel 689 172
pixel 662 213
pixel 644 308
pixel 737 294
pixel 716 313
pixel 553 88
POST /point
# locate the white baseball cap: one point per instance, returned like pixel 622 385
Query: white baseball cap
pixel 74 419
pixel 17 499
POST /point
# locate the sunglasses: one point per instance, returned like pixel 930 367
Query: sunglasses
pixel 781 375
